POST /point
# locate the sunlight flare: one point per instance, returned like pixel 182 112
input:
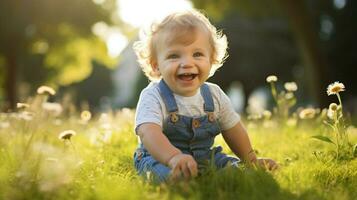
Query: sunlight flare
pixel 139 13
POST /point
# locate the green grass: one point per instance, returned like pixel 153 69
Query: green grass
pixel 98 164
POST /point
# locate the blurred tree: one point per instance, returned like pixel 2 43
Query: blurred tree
pixel 92 90
pixel 307 37
pixel 51 36
pixel 302 25
pixel 249 8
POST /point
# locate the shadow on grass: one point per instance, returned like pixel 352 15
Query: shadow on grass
pixel 231 183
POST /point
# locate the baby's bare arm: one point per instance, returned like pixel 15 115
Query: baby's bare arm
pixel 157 143
pixel 238 141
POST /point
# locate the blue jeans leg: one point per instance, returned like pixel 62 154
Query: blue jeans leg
pixel 152 169
pixel 221 160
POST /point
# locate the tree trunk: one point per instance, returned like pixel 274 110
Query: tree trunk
pixel 307 39
pixel 10 81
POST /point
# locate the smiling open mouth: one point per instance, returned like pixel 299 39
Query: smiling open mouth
pixel 187 76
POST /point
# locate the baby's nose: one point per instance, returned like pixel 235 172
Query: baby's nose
pixel 182 65
pixel 186 63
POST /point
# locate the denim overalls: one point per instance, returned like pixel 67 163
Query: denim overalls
pixel 192 135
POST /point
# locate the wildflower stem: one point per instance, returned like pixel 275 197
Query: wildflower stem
pixel 275 97
pixel 28 144
pixel 337 140
pixel 74 149
pixel 339 100
pixel 273 91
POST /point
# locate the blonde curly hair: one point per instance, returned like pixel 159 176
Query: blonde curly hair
pixel 178 25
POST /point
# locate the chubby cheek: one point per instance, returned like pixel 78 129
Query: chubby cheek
pixel 172 71
pixel 169 75
pixel 205 69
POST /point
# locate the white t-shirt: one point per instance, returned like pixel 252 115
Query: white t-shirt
pixel 151 107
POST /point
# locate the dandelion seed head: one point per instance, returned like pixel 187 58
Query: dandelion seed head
pixel 290 86
pixel 22 105
pixel 86 115
pixel 333 106
pixel 46 90
pixel 335 88
pixel 66 135
pixel 271 78
pixel 331 112
pixel 307 113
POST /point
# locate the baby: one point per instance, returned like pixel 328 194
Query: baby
pixel 179 114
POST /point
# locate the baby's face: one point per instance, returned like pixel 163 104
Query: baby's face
pixel 185 67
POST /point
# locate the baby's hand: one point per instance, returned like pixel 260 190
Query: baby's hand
pixel 182 164
pixel 266 163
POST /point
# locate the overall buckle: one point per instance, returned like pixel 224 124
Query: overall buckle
pixel 173 117
pixel 211 117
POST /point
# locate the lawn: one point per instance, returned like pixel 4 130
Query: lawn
pixel 47 154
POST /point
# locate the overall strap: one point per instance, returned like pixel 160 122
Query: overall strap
pixel 208 106
pixel 168 97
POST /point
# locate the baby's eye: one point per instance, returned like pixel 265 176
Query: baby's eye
pixel 198 54
pixel 172 56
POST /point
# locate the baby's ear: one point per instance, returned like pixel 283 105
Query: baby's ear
pixel 154 66
pixel 155 70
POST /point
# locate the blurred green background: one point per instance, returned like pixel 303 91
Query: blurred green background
pixel 82 48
